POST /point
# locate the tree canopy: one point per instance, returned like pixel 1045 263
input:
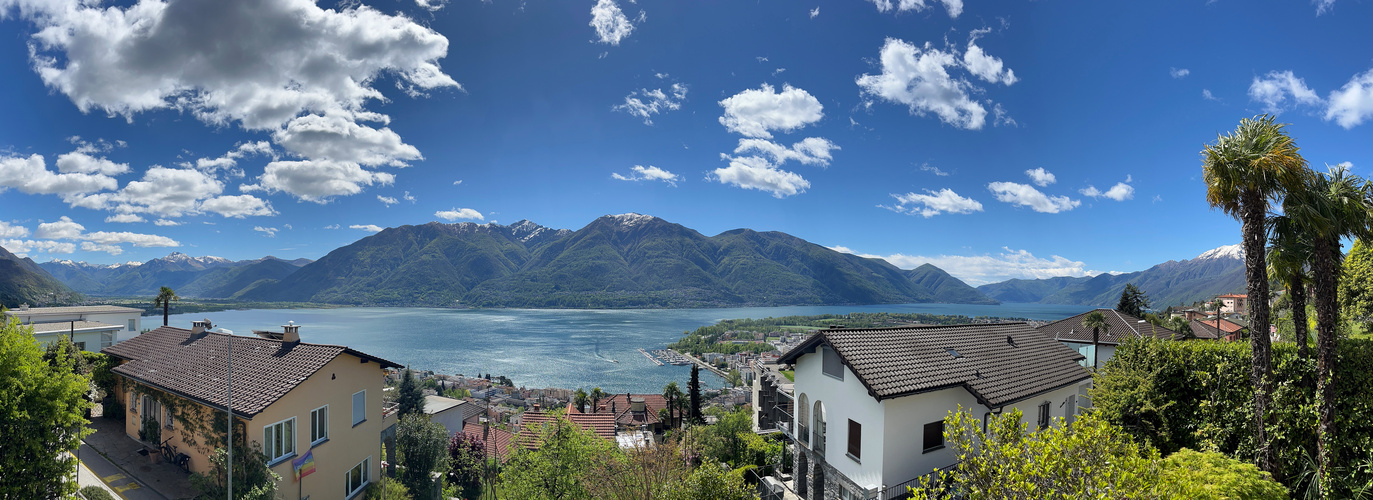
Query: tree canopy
pixel 1133 301
pixel 42 411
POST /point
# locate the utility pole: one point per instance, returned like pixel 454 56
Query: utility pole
pixel 229 355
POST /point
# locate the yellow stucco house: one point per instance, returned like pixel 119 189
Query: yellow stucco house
pixel 289 396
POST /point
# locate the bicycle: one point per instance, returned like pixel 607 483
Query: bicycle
pixel 175 457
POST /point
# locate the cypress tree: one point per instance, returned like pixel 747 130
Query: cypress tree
pixel 695 390
pixel 410 398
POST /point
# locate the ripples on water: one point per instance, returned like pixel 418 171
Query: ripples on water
pixel 548 347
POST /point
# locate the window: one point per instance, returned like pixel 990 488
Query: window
pixel 360 407
pixel 279 440
pixel 167 417
pixel 80 346
pixel 132 327
pixel 832 366
pixel 855 440
pixel 355 479
pixel 106 339
pixel 934 436
pixel 1044 416
pixel 319 424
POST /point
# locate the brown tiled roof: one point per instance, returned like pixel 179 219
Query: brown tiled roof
pixel 497 442
pixel 1123 326
pixel 621 405
pixel 192 365
pixel 999 364
pixel 602 424
pixel 1206 328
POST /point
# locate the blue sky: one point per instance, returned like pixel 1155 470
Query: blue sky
pixel 994 139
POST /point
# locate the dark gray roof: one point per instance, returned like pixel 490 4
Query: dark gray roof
pixel 1123 326
pixel 193 365
pixel 1000 364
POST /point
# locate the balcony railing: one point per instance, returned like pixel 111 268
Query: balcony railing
pixel 803 434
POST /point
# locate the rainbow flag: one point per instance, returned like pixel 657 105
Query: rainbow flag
pixel 304 465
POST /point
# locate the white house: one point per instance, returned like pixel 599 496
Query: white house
pixel 871 403
pixel 90 327
pixel 452 413
pixel 1071 333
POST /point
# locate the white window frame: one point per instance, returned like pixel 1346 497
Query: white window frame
pixel 132 326
pixel 362 417
pixel 288 444
pixel 106 339
pixel 364 476
pixel 315 421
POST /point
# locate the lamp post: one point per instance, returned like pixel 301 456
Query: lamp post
pixel 229 407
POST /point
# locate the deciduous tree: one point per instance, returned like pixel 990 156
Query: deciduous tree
pixel 422 449
pixel 42 412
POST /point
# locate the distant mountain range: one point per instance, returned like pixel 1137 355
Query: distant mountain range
pixel 1215 272
pixel 627 260
pixel 205 277
pixel 24 282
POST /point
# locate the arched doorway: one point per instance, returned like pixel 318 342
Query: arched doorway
pixel 818 429
pixel 818 483
pixel 802 467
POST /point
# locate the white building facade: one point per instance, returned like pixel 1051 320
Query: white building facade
pixel 90 327
pixel 865 438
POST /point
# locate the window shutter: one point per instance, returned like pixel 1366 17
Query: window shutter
pixel 855 439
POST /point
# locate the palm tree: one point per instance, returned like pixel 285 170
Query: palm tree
pixel 1289 255
pixel 579 399
pixel 164 298
pixel 1333 206
pixel 1245 171
pixel 596 395
pixel 1097 322
pixel 674 394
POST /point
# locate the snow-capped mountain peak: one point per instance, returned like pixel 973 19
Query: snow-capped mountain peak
pixel 631 219
pixel 1225 252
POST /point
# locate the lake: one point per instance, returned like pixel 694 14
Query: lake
pixel 547 347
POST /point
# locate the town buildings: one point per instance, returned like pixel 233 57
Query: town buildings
pixel 91 328
pixel 290 397
pixel 1234 304
pixel 871 403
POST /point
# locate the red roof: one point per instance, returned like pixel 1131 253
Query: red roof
pixel 497 441
pixel 602 424
pixel 1233 296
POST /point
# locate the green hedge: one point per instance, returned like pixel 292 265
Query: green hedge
pixel 1197 395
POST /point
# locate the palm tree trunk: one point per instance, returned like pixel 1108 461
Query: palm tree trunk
pixel 165 305
pixel 1297 291
pixel 1327 274
pixel 1254 207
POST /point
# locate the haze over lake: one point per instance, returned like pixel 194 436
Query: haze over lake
pixel 547 347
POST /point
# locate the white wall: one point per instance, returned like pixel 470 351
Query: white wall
pixel 843 400
pixel 450 418
pixel 121 319
pixel 905 439
pixel 1058 409
pixel 91 339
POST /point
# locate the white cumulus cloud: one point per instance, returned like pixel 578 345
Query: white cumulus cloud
pixel 814 12
pixel 87 246
pixel 1352 104
pixel 371 228
pixel 649 173
pixel 387 200
pixel 610 22
pixel 31 175
pixel 809 151
pixel 982 269
pixel 8 230
pixel 293 68
pixel 269 232
pixel 1276 89
pixel 1119 192
pixel 455 214
pixel 645 103
pixel 919 78
pixel 756 112
pixel 1027 195
pixel 753 172
pixel 79 162
pixel 63 229
pixel 318 180
pixel 953 7
pixel 933 203
pixel 166 222
pixel 1041 177
pixel 1178 72
pixel 22 248
pixel 137 239
pixel 125 218
pixel 238 206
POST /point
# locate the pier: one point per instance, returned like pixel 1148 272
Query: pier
pixel 703 364
pixel 650 357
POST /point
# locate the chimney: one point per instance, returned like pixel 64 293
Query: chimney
pixel 290 332
pixel 23 307
pixel 612 407
pixel 636 405
pixel 536 407
pixel 201 326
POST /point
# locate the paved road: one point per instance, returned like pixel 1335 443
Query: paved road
pixel 115 479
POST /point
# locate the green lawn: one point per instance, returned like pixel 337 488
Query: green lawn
pixel 789 374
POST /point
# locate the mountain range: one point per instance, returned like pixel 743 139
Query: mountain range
pixel 24 282
pixel 627 260
pixel 206 277
pixel 1215 272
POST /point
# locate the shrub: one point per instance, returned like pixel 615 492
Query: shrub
pixel 388 489
pixel 1196 395
pixel 1213 476
pixel 96 493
